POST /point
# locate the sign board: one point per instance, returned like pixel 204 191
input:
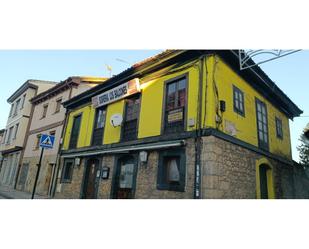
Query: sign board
pixel 47 141
pixel 116 93
pixel 175 116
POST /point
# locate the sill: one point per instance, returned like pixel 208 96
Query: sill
pixel 66 181
pixel 179 188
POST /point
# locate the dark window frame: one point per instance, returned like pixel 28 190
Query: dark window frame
pixel 117 170
pixel 239 93
pixel 124 137
pixel 264 145
pixel 279 128
pixel 98 130
pixel 58 106
pixel 64 168
pixel 80 115
pixel 183 128
pixel 162 184
pixel 44 111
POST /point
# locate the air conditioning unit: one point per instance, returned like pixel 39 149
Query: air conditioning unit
pixel 116 120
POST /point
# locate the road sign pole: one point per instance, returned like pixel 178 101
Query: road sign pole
pixel 37 174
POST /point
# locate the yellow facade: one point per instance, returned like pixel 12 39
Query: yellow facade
pixel 216 77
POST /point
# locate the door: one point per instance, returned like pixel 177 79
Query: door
pixel 124 184
pixel 48 178
pixel 89 190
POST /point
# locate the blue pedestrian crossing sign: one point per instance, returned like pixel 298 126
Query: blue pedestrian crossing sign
pixel 47 141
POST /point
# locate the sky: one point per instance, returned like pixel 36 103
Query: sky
pixel 290 73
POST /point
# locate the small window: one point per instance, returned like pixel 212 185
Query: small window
pixel 262 124
pixel 44 112
pixel 75 132
pixel 239 102
pixel 129 129
pixel 16 107
pixel 52 133
pixel 16 130
pixel 279 130
pixel 175 105
pixel 58 105
pixel 67 171
pixel 37 144
pixel 171 172
pixel 10 135
pixel 11 111
pixel 23 102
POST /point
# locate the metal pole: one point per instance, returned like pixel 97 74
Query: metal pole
pixel 37 174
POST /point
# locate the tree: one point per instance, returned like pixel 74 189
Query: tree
pixel 303 149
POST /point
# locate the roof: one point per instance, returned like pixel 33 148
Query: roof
pixel 254 76
pixel 28 84
pixel 66 84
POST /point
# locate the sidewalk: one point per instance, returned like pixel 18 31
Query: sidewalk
pixel 9 193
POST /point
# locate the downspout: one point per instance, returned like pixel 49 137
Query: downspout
pixel 57 166
pixel 21 157
pixel 198 134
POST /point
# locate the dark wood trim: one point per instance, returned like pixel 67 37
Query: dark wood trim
pixel 166 82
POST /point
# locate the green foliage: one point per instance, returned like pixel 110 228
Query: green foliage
pixel 304 151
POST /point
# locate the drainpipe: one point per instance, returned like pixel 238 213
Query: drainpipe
pixel 57 165
pixel 198 134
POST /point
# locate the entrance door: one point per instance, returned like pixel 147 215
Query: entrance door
pixel 124 183
pixel 89 191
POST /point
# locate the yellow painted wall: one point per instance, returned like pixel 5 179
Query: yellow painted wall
pixel 216 73
pixel 151 112
pixel 86 128
pixel 112 134
pixel 246 126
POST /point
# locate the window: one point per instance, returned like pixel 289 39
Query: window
pixel 262 124
pixel 16 130
pixel 4 136
pixel 175 105
pixel 67 171
pixel 75 132
pixel 44 112
pixel 58 105
pixel 23 102
pixel 38 138
pixel 9 137
pixel 11 111
pixel 16 107
pixel 98 130
pixel 279 130
pixel 129 129
pixel 239 102
pixel 52 133
pixel 171 171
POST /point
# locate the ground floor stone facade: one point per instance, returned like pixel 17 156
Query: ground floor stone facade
pixel 9 169
pixel 28 171
pixel 228 171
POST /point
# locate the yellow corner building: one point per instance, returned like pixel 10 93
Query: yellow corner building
pixel 182 124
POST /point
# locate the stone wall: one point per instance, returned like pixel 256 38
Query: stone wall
pixel 229 172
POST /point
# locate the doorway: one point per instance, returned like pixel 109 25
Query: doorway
pixel 125 177
pixel 90 179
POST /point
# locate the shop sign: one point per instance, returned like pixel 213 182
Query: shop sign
pixel 117 93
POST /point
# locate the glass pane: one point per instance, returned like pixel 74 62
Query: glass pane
pixel 258 107
pixel 182 84
pixel 171 101
pixel 261 135
pixel 171 88
pixel 237 104
pixel 182 98
pixel 126 176
pixel 260 125
pixel 265 137
pixel 259 115
pixel 264 128
pixel 173 171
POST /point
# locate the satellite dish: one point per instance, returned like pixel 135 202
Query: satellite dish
pixel 116 119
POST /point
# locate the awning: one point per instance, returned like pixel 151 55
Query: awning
pixel 126 149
